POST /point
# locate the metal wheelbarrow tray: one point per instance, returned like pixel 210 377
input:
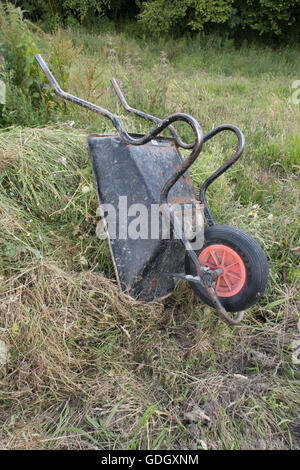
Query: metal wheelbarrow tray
pixel 146 175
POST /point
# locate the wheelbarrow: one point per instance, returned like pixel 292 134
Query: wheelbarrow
pixel 142 182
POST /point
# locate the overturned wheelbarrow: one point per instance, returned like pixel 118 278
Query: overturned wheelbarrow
pixel 154 223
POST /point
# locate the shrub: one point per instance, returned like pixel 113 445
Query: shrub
pixel 67 12
pixel 269 16
pixel 24 81
pixel 177 16
pixel 275 18
pixel 30 99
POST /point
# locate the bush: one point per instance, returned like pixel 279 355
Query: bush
pixel 63 12
pixel 165 16
pixel 24 81
pixel 18 47
pixel 29 98
pixel 273 17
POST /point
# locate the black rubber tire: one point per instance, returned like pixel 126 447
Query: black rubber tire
pixel 255 261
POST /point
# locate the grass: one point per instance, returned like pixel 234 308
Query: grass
pixel 88 367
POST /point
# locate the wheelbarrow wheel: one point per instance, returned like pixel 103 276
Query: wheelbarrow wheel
pixel 244 264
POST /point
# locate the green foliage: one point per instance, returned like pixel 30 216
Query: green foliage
pixel 205 11
pixel 264 16
pixel 21 109
pixel 275 18
pixel 24 82
pixel 161 16
pixel 29 98
pixel 18 47
pixel 67 12
pixel 81 8
pixel 269 16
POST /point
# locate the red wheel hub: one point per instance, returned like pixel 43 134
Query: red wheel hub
pixel 231 281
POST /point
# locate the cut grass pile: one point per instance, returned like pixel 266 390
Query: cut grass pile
pixel 88 367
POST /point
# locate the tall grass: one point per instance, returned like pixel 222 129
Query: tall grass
pixel 87 367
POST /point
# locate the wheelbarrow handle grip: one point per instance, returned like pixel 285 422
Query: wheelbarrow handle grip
pixel 72 98
pixel 147 116
pixel 236 155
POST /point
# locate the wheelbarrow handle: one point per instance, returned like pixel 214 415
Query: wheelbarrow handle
pixel 75 99
pixel 162 124
pixel 236 155
pixel 147 116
